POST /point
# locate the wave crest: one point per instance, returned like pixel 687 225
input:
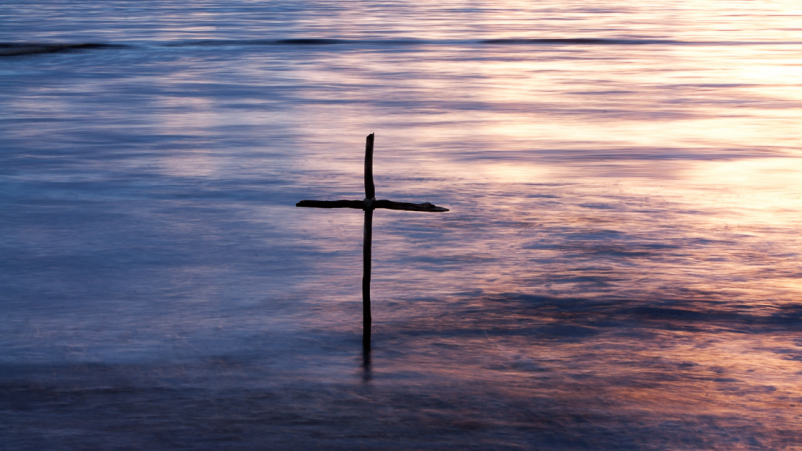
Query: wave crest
pixel 19 49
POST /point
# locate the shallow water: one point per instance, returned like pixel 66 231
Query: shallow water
pixel 619 269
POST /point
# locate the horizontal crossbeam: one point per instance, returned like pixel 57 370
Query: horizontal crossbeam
pixel 360 205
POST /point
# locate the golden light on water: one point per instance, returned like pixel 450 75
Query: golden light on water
pixel 619 268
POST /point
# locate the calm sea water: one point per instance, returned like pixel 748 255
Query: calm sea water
pixel 620 268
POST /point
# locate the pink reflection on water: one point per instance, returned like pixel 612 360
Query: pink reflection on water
pixel 620 266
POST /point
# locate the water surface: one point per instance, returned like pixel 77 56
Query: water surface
pixel 619 269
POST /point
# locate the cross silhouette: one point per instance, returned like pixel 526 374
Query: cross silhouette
pixel 368 204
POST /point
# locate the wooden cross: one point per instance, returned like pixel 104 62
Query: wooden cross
pixel 368 204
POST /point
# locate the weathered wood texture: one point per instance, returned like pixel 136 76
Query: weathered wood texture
pixel 368 205
pixel 360 205
pixel 426 206
pixel 370 188
pixel 357 204
pixel 367 243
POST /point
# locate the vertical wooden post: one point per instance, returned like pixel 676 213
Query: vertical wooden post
pixel 370 189
pixel 370 198
pixel 366 317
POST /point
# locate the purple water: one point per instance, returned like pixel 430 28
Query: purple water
pixel 619 269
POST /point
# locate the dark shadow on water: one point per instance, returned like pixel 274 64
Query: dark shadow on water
pixel 575 319
pixel 21 49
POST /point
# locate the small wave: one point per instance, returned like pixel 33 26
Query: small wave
pixel 299 41
pixel 328 41
pixel 18 49
pixel 294 41
pixel 499 41
pixel 314 41
pixel 581 41
pixel 219 42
